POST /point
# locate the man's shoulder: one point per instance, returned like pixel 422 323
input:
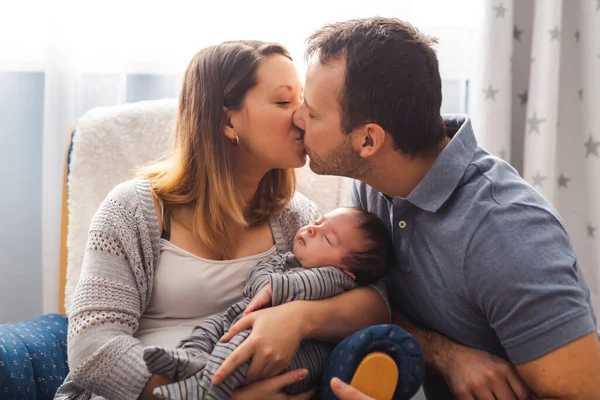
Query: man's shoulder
pixel 493 189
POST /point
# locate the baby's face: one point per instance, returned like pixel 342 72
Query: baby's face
pixel 327 240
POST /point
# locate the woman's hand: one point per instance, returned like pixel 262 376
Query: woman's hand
pixel 154 382
pixel 272 344
pixel 273 388
pixel 262 299
pixel 343 391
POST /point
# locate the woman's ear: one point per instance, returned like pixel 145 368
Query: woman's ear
pixel 228 116
pixel 368 140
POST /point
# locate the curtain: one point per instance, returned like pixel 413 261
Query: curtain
pixel 536 104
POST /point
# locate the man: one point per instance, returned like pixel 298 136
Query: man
pixel 485 272
pixel 482 258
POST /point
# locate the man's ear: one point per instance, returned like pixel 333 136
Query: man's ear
pixel 368 140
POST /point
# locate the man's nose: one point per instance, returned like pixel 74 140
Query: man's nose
pixel 297 119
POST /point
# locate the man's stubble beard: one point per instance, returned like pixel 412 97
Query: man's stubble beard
pixel 341 161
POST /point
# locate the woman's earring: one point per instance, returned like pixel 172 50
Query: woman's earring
pixel 235 141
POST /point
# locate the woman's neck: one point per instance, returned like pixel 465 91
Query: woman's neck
pixel 247 182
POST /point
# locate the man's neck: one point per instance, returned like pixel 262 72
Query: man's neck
pixel 397 175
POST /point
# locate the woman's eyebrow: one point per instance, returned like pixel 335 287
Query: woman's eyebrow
pixel 284 86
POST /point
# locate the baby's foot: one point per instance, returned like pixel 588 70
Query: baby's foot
pixel 175 364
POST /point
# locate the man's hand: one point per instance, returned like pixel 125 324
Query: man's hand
pixel 272 388
pixel 476 374
pixel 469 373
pixel 263 298
pixel 272 344
pixel 343 391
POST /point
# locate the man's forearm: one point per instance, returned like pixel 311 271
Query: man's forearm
pixel 435 347
pixel 335 318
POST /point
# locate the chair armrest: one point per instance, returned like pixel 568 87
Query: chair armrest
pixel 33 357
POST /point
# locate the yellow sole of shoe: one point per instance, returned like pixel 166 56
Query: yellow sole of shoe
pixel 376 376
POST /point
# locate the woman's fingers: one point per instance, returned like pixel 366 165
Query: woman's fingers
pixel 240 355
pixel 281 381
pixel 241 325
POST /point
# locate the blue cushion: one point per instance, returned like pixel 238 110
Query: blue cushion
pixel 33 357
pixel 389 339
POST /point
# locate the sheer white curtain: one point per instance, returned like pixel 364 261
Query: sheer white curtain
pixel 103 53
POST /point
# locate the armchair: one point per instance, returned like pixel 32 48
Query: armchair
pixel 109 143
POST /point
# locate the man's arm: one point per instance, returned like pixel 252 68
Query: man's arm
pixel 569 372
pixel 522 273
pixel 333 319
pixel 277 331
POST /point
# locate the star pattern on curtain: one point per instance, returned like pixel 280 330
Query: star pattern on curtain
pixel 490 93
pixel 500 10
pixel 591 147
pixel 554 33
pixel 549 93
pixel 534 123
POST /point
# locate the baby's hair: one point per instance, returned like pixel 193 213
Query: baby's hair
pixel 371 263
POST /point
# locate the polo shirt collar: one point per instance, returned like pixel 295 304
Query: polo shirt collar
pixel 450 166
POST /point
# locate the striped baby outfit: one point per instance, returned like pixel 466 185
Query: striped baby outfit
pixel 194 362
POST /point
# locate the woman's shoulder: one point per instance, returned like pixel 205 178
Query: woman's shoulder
pixel 131 194
pixel 300 210
pixel 132 198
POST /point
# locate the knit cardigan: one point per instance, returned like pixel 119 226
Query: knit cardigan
pixel 115 287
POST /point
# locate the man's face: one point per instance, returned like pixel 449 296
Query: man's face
pixel 329 149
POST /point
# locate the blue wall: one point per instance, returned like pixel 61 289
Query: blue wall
pixel 21 122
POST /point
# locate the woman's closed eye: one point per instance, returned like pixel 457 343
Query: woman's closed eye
pixel 283 103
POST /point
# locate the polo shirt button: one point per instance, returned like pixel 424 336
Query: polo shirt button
pixel 402 224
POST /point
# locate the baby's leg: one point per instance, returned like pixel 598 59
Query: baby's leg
pixel 192 353
pixel 199 386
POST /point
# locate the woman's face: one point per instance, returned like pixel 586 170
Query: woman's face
pixel 268 138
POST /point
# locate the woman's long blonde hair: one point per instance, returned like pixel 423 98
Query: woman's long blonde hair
pixel 199 169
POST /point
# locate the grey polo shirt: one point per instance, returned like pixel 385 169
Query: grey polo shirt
pixel 482 257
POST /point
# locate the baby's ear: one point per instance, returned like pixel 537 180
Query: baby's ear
pixel 350 274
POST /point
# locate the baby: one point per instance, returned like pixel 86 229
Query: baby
pixel 344 248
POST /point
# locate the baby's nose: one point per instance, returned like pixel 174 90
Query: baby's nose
pixel 311 231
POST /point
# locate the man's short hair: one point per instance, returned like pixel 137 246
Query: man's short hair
pixel 392 79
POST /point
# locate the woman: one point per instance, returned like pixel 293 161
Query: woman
pixel 167 250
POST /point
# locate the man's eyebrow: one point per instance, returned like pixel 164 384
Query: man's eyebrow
pixel 308 105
